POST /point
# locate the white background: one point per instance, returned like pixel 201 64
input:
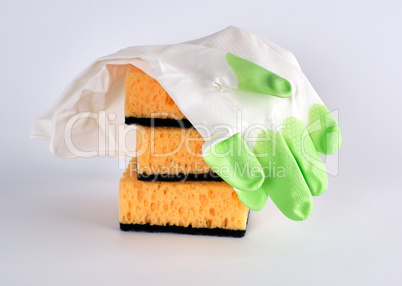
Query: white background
pixel 59 218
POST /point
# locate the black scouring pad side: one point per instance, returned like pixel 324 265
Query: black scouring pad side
pixel 183 230
pixel 159 122
pixel 181 177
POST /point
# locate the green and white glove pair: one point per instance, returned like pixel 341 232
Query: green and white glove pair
pixel 263 124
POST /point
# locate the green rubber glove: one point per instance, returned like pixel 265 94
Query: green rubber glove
pixel 288 153
pixel 265 123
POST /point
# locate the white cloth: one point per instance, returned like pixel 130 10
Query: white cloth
pixel 88 118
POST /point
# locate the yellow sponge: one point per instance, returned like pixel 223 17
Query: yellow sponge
pixel 144 96
pixel 189 206
pixel 169 150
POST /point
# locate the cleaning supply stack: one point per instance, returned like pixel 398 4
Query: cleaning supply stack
pixel 168 187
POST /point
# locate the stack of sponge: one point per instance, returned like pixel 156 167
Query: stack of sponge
pixel 168 187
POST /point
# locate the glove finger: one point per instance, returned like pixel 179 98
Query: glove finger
pixel 234 162
pixel 252 77
pixel 255 200
pixel 302 147
pixel 284 182
pixel 323 129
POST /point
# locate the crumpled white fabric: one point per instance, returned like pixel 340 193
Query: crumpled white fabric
pixel 88 118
